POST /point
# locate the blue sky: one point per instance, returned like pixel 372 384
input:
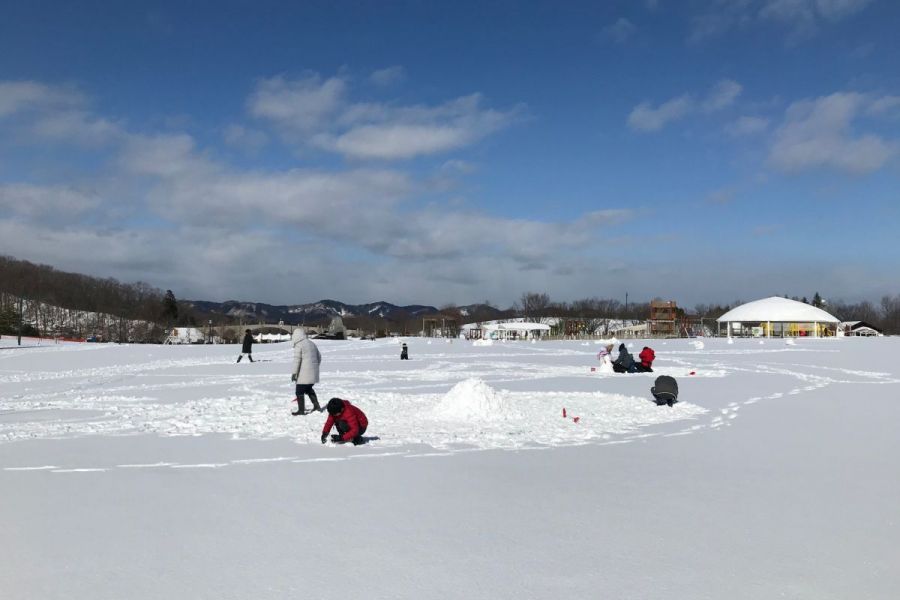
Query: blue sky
pixel 703 150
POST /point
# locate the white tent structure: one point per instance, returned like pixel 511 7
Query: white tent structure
pixel 504 331
pixel 778 317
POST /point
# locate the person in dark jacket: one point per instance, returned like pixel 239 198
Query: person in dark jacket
pixel 246 346
pixel 404 352
pixel 350 422
pixel 665 390
pixel 647 357
pixel 624 363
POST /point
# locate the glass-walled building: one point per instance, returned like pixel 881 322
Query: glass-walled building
pixel 777 317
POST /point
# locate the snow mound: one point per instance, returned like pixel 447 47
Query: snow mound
pixel 473 399
pixel 699 345
pixel 484 342
pixel 790 342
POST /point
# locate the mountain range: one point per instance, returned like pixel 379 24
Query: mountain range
pixel 324 310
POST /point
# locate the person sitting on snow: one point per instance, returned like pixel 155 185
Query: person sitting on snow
pixel 605 358
pixel 404 352
pixel 624 363
pixel 647 357
pixel 665 390
pixel 350 422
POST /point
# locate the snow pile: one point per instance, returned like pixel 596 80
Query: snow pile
pixel 698 344
pixel 473 399
pixel 484 342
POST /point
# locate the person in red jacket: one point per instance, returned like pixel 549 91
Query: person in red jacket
pixel 350 422
pixel 647 357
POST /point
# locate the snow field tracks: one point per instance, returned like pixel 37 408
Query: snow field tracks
pixel 448 397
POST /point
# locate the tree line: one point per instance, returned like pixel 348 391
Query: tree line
pixel 38 299
pixel 53 300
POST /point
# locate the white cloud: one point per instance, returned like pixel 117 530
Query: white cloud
pixel 316 113
pixel 471 234
pixel 456 165
pixel 646 117
pixel 620 31
pixel 362 208
pixel 245 138
pixel 165 209
pixel 722 95
pixel 302 104
pixel 78 127
pixel 807 13
pixel 164 155
pixel 387 77
pixel 375 131
pixel 396 141
pixel 46 203
pixel 18 96
pixel 55 113
pixel 341 204
pixel 819 133
pixel 746 126
pixel 802 18
pixel 884 105
pixel 708 26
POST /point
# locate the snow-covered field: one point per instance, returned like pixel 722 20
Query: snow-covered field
pixel 154 471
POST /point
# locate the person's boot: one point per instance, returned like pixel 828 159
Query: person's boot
pixel 315 403
pixel 301 408
pixel 251 358
pixel 240 357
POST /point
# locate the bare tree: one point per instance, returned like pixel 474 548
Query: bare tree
pixel 534 305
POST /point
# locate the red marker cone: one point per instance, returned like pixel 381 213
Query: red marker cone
pixel 564 412
pixel 693 372
pixel 593 369
pixel 576 419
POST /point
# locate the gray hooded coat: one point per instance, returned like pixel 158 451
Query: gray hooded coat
pixel 306 358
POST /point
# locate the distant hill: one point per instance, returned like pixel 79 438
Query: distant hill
pixel 324 310
pixel 44 286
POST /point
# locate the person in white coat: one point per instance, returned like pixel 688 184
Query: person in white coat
pixel 306 370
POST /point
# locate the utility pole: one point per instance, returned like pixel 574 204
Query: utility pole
pixel 626 305
pixel 21 318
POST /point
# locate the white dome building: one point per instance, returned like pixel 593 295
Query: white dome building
pixel 778 317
